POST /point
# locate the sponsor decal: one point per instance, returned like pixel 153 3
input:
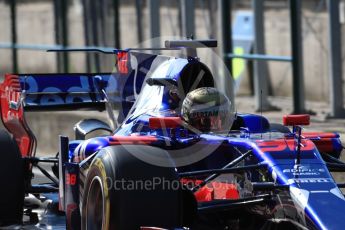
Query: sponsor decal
pixel 309 180
pixel 283 145
pixel 68 89
pixel 304 171
pixel 213 113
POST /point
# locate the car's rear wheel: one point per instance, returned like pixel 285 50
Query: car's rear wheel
pixel 95 204
pixel 11 181
pixel 119 191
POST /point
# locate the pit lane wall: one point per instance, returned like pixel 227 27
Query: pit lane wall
pixel 47 126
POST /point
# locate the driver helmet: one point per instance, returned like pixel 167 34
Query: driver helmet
pixel 208 110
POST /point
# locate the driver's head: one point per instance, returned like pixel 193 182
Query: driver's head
pixel 207 109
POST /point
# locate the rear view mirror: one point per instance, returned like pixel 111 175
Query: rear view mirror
pixel 294 120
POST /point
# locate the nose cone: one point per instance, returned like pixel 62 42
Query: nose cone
pixel 325 206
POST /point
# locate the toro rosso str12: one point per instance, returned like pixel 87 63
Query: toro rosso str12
pixel 177 157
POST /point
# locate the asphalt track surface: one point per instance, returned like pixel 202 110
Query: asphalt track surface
pixel 319 122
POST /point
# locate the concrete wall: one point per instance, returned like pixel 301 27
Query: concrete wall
pixel 315 48
pixel 47 126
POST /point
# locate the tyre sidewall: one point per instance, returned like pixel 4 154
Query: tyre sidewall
pixel 11 180
pixel 97 169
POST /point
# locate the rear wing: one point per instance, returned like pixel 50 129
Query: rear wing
pixel 56 92
pixel 51 92
pixel 45 92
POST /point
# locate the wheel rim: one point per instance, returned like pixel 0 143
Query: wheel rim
pixel 94 205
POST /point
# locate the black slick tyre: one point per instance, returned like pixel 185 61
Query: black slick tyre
pixel 11 181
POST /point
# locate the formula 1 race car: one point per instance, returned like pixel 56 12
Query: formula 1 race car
pixel 180 157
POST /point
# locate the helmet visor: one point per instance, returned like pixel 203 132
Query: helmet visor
pixel 219 123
